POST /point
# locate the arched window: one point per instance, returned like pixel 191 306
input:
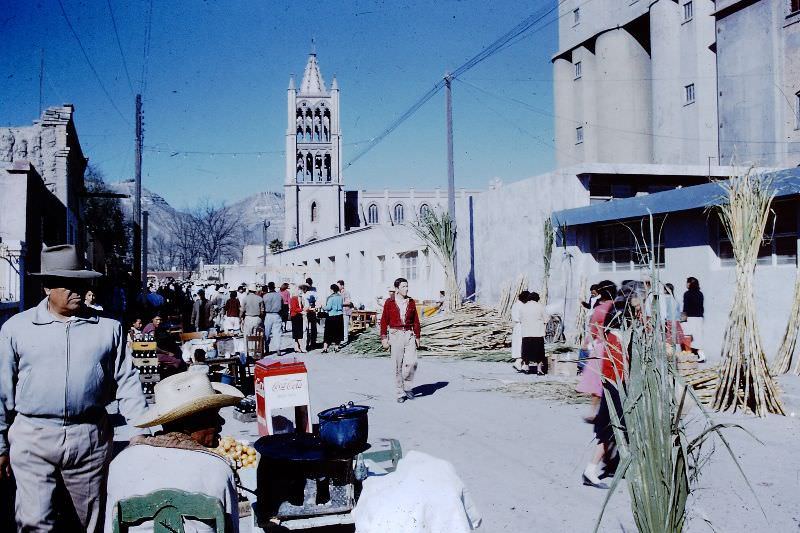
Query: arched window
pixel 314 213
pixel 372 214
pixel 399 214
pixel 424 211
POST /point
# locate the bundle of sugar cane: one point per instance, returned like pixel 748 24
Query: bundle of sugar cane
pixel 472 328
pixel 745 380
pixel 509 295
pixel 580 317
pixel 783 360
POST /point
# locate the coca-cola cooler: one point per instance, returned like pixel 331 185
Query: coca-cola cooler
pixel 281 386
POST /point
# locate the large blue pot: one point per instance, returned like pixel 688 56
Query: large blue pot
pixel 344 427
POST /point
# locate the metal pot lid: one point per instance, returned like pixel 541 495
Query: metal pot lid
pixel 343 412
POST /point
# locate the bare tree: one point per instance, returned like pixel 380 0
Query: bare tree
pixel 186 241
pixel 164 252
pixel 219 232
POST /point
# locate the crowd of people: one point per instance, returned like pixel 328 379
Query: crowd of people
pixel 63 362
pixel 605 355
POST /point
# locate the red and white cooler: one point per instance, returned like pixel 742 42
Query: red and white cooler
pixel 281 383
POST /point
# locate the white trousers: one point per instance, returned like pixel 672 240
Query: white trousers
pixel 78 453
pixel 403 346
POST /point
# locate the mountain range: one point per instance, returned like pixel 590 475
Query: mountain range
pixel 253 210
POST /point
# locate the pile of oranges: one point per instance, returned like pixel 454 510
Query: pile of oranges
pixel 239 454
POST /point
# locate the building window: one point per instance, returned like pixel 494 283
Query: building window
pixel 408 265
pixel 579 135
pixel 399 214
pixel 314 213
pixel 688 11
pixel 622 247
pixel 794 6
pixel 424 211
pixel 779 245
pixel 372 214
pixel 578 70
pixel 382 268
pixel 688 93
pixel 576 16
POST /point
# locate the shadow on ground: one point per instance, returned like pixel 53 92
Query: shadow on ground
pixel 429 388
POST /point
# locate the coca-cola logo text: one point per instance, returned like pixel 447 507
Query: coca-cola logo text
pixel 293 384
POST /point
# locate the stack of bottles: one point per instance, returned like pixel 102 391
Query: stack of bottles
pixel 145 360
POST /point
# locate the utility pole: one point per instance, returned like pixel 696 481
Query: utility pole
pixel 144 248
pixel 451 179
pixel 264 257
pixel 137 199
pixel 41 81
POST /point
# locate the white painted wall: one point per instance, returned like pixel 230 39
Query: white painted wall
pixel 690 251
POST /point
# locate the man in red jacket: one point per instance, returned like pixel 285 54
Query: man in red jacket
pixel 400 333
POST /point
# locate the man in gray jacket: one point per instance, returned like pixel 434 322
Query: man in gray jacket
pixel 60 365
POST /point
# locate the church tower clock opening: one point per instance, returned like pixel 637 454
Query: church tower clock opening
pixel 313 189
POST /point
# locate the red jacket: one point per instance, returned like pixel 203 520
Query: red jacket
pixel 390 318
pixel 294 306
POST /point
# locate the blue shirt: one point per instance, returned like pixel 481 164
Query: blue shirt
pixel 334 304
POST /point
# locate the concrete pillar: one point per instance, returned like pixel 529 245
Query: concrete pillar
pixel 565 114
pixel 623 99
pixel 667 88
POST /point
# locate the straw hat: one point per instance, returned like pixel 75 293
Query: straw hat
pixel 63 261
pixel 185 394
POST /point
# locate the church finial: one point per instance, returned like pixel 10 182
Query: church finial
pixel 291 82
pixel 334 84
pixel 313 47
pixel 312 84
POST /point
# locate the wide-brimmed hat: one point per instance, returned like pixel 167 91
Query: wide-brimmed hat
pixel 185 394
pixel 63 261
pixel 252 287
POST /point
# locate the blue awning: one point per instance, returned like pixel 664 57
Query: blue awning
pixel 786 183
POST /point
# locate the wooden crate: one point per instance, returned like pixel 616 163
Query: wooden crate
pixel 140 346
pixel 140 362
pixel 149 378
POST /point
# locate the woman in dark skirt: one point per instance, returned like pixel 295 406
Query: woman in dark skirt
pixel 334 323
pixel 533 319
pixel 296 316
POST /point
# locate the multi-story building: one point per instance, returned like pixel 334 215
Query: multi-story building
pixel 41 180
pixel 758 65
pixel 635 82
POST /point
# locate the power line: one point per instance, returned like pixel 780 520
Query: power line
pixel 146 48
pixel 506 119
pixel 496 46
pixel 119 45
pixel 176 152
pixel 611 128
pixel 91 66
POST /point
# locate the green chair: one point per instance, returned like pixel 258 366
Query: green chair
pixel 387 450
pixel 167 509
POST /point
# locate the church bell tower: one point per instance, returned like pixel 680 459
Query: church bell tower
pixel 313 189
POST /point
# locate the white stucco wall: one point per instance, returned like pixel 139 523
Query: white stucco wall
pixel 690 250
pixel 367 259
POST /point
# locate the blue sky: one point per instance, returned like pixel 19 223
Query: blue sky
pixel 216 74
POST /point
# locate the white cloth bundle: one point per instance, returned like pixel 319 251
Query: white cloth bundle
pixel 424 495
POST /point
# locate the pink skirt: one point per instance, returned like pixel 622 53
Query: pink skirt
pixel 590 382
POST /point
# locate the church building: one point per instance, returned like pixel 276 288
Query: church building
pixel 358 235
